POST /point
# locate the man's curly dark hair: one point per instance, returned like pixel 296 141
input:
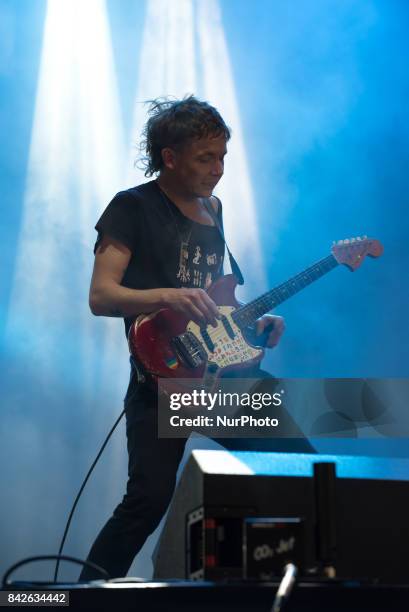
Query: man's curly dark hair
pixel 173 123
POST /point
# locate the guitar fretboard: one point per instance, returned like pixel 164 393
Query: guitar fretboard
pixel 246 315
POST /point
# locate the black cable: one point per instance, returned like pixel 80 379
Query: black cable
pixel 99 569
pixel 57 565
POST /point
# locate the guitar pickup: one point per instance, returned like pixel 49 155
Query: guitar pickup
pixel 228 327
pixel 207 339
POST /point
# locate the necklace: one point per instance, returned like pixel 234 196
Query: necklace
pixel 183 274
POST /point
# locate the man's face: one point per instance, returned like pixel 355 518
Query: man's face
pixel 198 166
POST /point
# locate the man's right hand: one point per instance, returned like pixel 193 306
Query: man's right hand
pixel 193 303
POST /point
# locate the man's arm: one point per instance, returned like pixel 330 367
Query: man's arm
pixel 109 298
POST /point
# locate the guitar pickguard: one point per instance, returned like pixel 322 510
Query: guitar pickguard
pixel 227 351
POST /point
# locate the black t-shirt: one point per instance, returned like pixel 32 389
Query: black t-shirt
pixel 168 249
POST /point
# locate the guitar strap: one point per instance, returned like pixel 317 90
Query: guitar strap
pixel 233 263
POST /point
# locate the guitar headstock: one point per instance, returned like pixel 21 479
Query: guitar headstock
pixel 353 251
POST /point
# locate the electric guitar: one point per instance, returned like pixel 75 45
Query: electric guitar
pixel 169 345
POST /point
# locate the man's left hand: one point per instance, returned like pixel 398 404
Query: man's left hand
pixel 274 326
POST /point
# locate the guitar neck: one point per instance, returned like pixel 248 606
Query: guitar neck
pixel 246 315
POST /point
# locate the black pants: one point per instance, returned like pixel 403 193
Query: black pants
pixel 153 463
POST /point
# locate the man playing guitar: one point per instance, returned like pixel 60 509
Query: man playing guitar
pixel 158 247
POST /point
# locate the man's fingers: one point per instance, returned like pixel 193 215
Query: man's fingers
pixel 272 327
pixel 207 307
pixel 263 326
pixel 195 313
pixel 210 304
pixel 276 332
pixel 193 303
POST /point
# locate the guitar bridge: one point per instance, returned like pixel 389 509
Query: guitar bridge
pixel 189 350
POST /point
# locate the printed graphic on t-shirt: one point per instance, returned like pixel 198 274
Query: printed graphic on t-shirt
pixel 183 273
pixel 197 256
pixel 194 266
pixel 208 280
pixel 197 278
pixel 211 259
